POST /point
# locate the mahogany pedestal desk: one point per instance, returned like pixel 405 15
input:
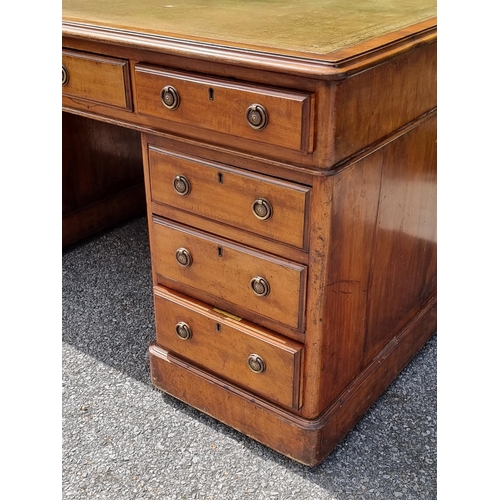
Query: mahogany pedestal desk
pixel 287 152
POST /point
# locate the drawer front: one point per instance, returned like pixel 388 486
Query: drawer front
pixel 231 272
pixel 268 207
pixel 223 106
pixel 96 78
pixel 241 353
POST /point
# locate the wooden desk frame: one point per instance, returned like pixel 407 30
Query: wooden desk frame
pixel 367 161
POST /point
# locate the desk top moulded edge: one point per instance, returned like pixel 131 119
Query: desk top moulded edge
pixel 332 66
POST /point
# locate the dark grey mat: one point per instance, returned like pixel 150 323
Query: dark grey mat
pixel 124 439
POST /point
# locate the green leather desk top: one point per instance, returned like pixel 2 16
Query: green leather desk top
pixel 308 28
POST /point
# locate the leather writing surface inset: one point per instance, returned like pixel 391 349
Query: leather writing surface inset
pixel 314 28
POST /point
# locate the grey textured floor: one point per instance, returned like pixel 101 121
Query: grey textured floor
pixel 124 439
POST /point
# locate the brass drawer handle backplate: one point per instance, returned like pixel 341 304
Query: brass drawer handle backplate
pixel 183 331
pixel 256 363
pixel 170 98
pixel 262 209
pixel 65 75
pixel 182 185
pixel 260 286
pixel 257 116
pixel 183 257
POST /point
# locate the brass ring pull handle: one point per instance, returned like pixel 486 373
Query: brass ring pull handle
pixel 260 286
pixel 183 331
pixel 169 97
pixel 262 209
pixel 182 185
pixel 257 116
pixel 256 363
pixel 183 257
pixel 65 75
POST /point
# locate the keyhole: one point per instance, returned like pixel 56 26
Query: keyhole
pixel 219 176
pixel 219 251
pixel 211 93
pixel 217 327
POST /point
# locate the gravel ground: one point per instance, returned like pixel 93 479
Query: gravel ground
pixel 124 439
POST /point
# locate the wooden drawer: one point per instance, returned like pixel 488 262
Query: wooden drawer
pixel 225 270
pixel 263 205
pixel 96 78
pixel 227 347
pixel 222 105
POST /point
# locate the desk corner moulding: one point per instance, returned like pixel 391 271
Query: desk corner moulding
pixel 286 160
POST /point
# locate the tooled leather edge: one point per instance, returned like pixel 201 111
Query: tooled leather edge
pixel 336 65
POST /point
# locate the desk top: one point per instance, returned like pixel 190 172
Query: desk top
pixel 319 30
pixel 318 27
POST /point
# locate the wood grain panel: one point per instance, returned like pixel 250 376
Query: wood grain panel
pixel 403 270
pixel 224 269
pixel 102 176
pixel 372 104
pixel 97 78
pixel 222 345
pixel 308 441
pixel 344 209
pixel 231 232
pixel 227 194
pixel 380 268
pixel 220 105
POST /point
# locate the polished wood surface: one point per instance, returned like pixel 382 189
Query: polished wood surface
pixel 221 105
pixel 227 195
pixel 222 343
pixel 304 440
pixel 224 270
pixel 375 263
pixel 95 78
pixel 346 264
pixel 407 90
pixel 384 99
pixel 102 179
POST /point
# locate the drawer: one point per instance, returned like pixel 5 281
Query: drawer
pixel 254 281
pixel 264 114
pixel 96 78
pixel 241 353
pixel 265 206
